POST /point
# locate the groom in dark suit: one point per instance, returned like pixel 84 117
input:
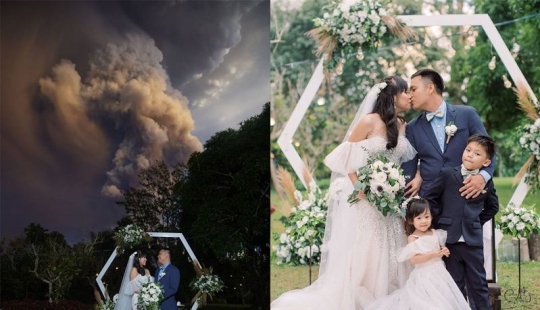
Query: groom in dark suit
pixel 436 148
pixel 169 278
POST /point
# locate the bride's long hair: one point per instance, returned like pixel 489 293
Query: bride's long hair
pixel 385 107
pixel 137 265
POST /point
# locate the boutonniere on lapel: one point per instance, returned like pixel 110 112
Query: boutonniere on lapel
pixel 162 275
pixel 450 130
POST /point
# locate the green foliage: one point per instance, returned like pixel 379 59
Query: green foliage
pixel 483 88
pixel 226 206
pixel 301 242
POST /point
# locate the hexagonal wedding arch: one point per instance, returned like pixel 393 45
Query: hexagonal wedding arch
pixel 285 139
pixel 154 235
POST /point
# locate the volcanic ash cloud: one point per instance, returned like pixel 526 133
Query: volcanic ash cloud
pixel 129 94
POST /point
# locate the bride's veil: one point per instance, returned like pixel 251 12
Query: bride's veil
pixel 124 300
pixel 334 288
pixel 341 187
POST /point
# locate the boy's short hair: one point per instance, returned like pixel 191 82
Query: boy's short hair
pixel 486 142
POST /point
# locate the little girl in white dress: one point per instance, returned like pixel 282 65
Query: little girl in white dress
pixel 429 286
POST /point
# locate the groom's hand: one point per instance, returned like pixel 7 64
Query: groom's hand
pixel 413 187
pixel 473 186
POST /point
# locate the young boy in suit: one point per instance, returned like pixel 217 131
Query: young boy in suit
pixel 463 218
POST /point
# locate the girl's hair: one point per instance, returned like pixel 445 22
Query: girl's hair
pixel 136 264
pixel 386 108
pixel 415 207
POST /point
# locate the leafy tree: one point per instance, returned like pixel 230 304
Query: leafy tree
pixel 226 205
pixel 54 264
pixel 17 282
pixel 152 204
pixel 478 86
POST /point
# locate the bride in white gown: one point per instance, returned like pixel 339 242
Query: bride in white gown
pixel 358 262
pixel 134 277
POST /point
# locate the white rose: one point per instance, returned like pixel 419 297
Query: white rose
pixel 511 225
pixel 522 141
pixel 401 180
pixel 394 173
pixel 520 226
pixel 301 252
pixel 283 238
pixel 374 18
pixel 299 224
pixel 377 165
pixel 503 218
pixel 314 248
pixel 304 205
pixel 379 177
pixel 395 188
pixel 310 232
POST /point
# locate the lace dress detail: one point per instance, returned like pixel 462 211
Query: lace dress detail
pixel 360 262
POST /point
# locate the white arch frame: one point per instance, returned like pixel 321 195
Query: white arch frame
pixel 151 234
pixel 285 139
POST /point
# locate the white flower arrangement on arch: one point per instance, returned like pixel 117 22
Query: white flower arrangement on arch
pixel 130 236
pixel 351 27
pixel 301 242
pixel 519 221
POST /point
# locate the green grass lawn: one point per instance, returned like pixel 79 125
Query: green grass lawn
pixel 284 278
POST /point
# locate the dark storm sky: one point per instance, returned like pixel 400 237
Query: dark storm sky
pixel 93 91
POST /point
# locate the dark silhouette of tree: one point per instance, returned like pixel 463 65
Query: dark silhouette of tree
pixel 152 204
pixel 226 207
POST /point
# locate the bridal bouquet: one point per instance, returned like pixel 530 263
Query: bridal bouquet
pixel 383 184
pixel 150 297
pixel 519 221
pixel 129 236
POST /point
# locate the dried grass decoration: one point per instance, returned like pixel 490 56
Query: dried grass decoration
pixel 529 139
pixel 352 27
